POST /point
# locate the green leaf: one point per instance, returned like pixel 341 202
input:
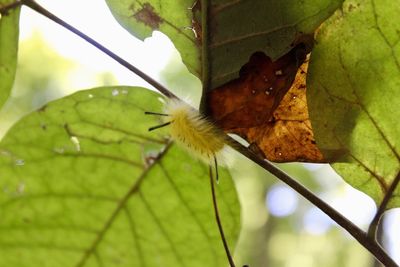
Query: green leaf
pixel 83 183
pixel 173 18
pixel 236 29
pixel 353 86
pixel 9 33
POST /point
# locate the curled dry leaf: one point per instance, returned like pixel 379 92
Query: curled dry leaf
pixel 267 106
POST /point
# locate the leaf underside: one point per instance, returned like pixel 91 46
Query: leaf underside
pixel 236 29
pixel 9 33
pixel 83 183
pixel 353 87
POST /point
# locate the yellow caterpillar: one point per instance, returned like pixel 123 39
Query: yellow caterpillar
pixel 192 131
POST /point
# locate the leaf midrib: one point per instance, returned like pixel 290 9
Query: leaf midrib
pixel 120 206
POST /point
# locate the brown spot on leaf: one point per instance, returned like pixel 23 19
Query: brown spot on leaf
pixel 353 7
pixel 196 6
pixel 196 21
pixel 196 26
pixel 148 16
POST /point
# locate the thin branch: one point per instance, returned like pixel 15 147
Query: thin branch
pixel 373 227
pixel 220 228
pixel 35 6
pixel 216 169
pixel 369 243
pixel 380 232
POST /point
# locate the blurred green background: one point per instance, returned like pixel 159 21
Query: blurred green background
pixel 280 228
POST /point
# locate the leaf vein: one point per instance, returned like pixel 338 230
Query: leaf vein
pixel 187 207
pixel 149 209
pixel 135 237
pixel 383 35
pixel 120 206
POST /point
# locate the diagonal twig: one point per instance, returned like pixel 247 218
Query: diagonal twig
pixel 373 227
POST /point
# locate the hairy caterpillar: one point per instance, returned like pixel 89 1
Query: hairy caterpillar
pixel 192 131
pixel 201 138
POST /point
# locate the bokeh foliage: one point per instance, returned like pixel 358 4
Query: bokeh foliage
pixel 9 33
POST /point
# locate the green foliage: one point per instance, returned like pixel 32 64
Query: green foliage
pixel 85 184
pixel 172 18
pixel 354 80
pixel 9 33
pixel 47 78
pixel 238 28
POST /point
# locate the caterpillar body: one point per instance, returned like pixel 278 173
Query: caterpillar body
pixel 192 131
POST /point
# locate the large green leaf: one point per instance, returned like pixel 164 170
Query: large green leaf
pixel 9 33
pixel 236 29
pixel 83 183
pixel 354 81
pixel 173 18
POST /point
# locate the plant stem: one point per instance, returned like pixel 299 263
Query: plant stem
pixel 382 207
pixel 379 238
pixel 35 6
pixel 220 228
pixel 369 243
